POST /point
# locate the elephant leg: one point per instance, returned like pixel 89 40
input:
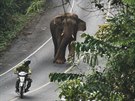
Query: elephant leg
pixel 60 56
pixel 56 38
pixel 55 46
pixel 58 41
pixel 53 30
pixel 71 55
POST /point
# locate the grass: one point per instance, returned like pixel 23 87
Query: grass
pixel 20 21
pixel 8 36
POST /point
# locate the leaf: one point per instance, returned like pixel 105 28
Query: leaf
pixel 83 35
pixel 59 77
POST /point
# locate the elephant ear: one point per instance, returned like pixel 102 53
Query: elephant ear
pixel 81 25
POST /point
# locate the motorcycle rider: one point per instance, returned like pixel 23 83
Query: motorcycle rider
pixel 24 67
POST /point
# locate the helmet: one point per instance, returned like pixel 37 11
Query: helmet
pixel 27 62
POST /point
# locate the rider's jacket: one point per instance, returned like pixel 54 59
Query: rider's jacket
pixel 22 68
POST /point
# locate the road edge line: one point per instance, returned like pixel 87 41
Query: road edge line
pixel 27 57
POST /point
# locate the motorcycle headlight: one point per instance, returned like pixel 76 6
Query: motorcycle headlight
pixel 22 79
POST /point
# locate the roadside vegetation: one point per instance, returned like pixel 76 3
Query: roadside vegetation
pixel 14 14
pixel 115 41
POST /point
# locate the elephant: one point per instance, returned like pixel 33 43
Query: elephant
pixel 64 28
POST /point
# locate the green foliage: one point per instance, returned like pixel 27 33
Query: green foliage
pixel 92 48
pixel 130 2
pixel 8 35
pixel 12 19
pixel 7 10
pixel 73 90
pixel 101 88
pixel 36 6
pixel 63 76
pixel 119 32
pixel 71 86
pixel 21 6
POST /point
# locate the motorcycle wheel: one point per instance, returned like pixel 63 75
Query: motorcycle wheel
pixel 21 92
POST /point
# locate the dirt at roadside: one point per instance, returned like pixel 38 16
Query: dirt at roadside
pixel 19 46
pixel 30 38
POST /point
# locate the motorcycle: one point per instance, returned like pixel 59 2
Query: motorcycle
pixel 22 83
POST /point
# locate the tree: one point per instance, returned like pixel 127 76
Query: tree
pixel 13 18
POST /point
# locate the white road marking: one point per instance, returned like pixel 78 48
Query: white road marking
pixel 26 57
pixel 71 10
pixel 109 8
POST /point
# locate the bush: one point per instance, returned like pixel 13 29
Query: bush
pixel 13 18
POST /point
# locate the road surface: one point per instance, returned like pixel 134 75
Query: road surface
pixel 42 61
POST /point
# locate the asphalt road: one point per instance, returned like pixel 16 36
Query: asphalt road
pixel 42 65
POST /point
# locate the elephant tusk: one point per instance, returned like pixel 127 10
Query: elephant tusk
pixel 62 34
pixel 54 22
pixel 73 36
